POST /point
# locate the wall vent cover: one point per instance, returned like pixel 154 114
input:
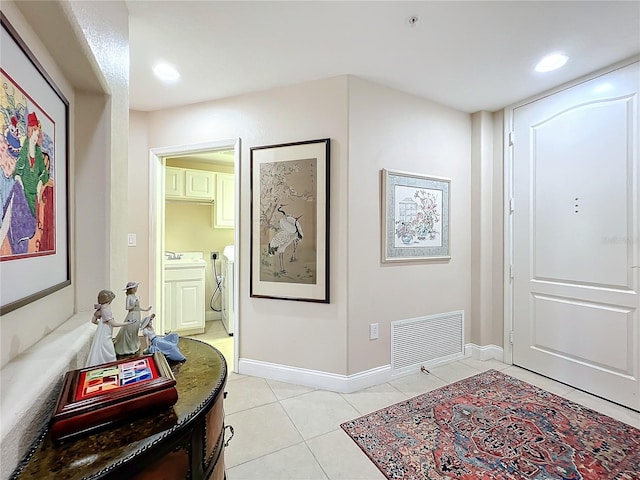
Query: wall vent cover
pixel 426 341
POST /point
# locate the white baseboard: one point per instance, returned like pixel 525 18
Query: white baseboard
pixel 486 352
pixel 313 378
pixel 345 383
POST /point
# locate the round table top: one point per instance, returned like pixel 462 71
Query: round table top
pixel 199 381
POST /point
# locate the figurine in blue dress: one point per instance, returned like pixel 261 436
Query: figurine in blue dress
pixel 165 344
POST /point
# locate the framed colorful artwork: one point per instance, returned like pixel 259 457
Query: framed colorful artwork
pixel 415 217
pixel 98 396
pixel 290 221
pixel 34 185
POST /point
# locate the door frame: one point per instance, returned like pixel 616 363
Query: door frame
pixel 508 193
pixel 157 165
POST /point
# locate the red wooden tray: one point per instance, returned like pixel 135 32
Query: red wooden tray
pixel 95 397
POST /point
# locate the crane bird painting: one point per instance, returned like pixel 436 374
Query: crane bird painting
pixel 290 233
pixel 289 194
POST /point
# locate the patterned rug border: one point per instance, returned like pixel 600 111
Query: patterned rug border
pixel 488 377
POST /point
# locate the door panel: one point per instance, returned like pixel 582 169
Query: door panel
pixel 580 194
pixel 554 332
pixel 575 236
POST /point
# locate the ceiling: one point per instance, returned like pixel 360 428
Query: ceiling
pixel 470 56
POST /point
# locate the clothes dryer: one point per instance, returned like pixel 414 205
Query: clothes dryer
pixel 228 315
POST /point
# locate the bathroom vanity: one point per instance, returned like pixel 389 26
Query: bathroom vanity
pixel 184 293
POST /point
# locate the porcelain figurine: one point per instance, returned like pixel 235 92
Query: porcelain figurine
pixel 166 344
pixel 127 340
pixel 102 349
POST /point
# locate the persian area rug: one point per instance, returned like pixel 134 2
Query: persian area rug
pixel 493 426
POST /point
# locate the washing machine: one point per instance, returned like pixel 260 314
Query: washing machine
pixel 228 255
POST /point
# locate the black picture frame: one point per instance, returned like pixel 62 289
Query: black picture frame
pixel 290 221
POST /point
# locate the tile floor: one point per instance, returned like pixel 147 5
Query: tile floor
pixel 285 431
pixel 216 335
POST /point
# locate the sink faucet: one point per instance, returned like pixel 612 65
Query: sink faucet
pixel 172 255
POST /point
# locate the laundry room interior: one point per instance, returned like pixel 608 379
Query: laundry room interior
pixel 198 260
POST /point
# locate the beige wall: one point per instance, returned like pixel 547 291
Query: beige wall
pixel 497 236
pixel 371 127
pixel 297 334
pixel 25 326
pixel 113 196
pixel 392 130
pixel 83 46
pixel 487 236
pixel 105 26
pixel 97 150
pixel 481 228
pixel 138 212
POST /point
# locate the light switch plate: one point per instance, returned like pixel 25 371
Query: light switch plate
pixel 131 240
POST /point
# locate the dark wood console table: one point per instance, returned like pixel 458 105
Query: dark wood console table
pixel 183 442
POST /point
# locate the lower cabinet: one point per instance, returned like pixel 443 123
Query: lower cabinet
pixel 184 300
pixel 190 458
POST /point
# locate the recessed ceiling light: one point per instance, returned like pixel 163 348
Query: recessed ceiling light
pixel 551 62
pixel 166 72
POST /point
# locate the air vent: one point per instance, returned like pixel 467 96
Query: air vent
pixel 426 341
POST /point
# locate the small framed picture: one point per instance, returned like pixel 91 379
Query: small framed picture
pixel 415 217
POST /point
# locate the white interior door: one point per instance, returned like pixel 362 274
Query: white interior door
pixel 576 243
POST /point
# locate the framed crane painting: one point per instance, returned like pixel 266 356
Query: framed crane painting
pixel 290 221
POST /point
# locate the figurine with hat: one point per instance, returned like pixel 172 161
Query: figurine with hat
pixel 165 344
pixel 102 350
pixel 127 341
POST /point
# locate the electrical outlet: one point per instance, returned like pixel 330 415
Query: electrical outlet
pixel 214 255
pixel 373 331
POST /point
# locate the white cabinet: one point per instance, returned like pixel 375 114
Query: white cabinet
pixel 199 184
pixel 184 303
pixel 187 184
pixel 174 182
pixel 225 201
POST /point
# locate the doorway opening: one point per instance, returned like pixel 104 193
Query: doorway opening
pixel 194 211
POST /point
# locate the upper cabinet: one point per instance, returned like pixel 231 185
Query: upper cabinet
pixel 225 201
pixel 174 182
pixel 187 184
pixel 184 184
